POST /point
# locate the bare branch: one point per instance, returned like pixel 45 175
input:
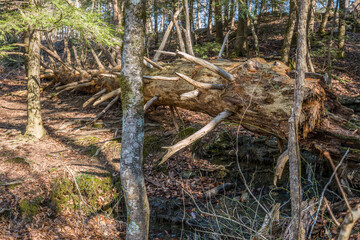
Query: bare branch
pixel 107 96
pixel 349 222
pixel 154 63
pixel 280 165
pixel 151 101
pixel 199 134
pixel 207 65
pixel 200 84
pixel 161 78
pixel 189 95
pixel 166 53
pixel 71 84
pixel 223 45
pixel 95 96
pixel 106 108
pixel 73 87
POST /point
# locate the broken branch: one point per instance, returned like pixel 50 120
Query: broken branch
pixel 199 134
pixel 200 84
pixel 95 96
pixel 107 96
pixel 207 65
pixel 151 101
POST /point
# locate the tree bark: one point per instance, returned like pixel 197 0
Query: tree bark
pixel 285 51
pixel 131 161
pixel 188 29
pixel 218 22
pixel 297 229
pixel 210 17
pixel 262 93
pixel 342 29
pixel 34 125
pixel 311 18
pixel 326 16
pixel 241 33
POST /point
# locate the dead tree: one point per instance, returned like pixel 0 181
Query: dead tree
pixel 258 93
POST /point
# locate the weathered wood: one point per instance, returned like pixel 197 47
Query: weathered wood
pixel 261 96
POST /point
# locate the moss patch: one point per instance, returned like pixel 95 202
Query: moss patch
pixel 153 144
pixel 20 160
pixel 30 208
pixel 89 194
pixel 92 150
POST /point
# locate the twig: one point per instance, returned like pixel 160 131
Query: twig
pixel 324 190
pixel 328 157
pixel 331 212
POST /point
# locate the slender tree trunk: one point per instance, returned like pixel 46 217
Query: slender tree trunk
pixel 209 29
pixel 234 4
pixel 218 22
pixel 188 29
pixel 342 30
pixel 155 24
pixel 297 230
pixel 311 18
pixel 117 25
pixel 241 33
pixel 325 17
pixel 198 14
pixel 34 125
pixel 132 96
pixel 285 51
pixel 178 33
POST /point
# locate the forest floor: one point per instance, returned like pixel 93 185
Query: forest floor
pixel 32 172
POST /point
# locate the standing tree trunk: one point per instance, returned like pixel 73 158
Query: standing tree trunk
pixel 311 18
pixel 188 29
pixel 241 32
pixel 341 43
pixel 325 17
pixel 218 22
pixel 297 230
pixel 132 96
pixel 117 25
pixel 285 51
pixel 209 29
pixel 34 125
pixel 198 13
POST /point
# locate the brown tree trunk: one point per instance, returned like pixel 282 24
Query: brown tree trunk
pixel 218 22
pixel 131 161
pixel 241 33
pixel 285 51
pixel 210 17
pixel 311 18
pixel 34 125
pixel 325 17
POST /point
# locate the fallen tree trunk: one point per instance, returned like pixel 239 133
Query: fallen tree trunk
pixel 259 94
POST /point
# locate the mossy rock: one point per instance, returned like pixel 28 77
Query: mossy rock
pixel 29 208
pixel 90 193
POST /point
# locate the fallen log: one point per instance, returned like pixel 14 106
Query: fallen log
pixel 259 95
